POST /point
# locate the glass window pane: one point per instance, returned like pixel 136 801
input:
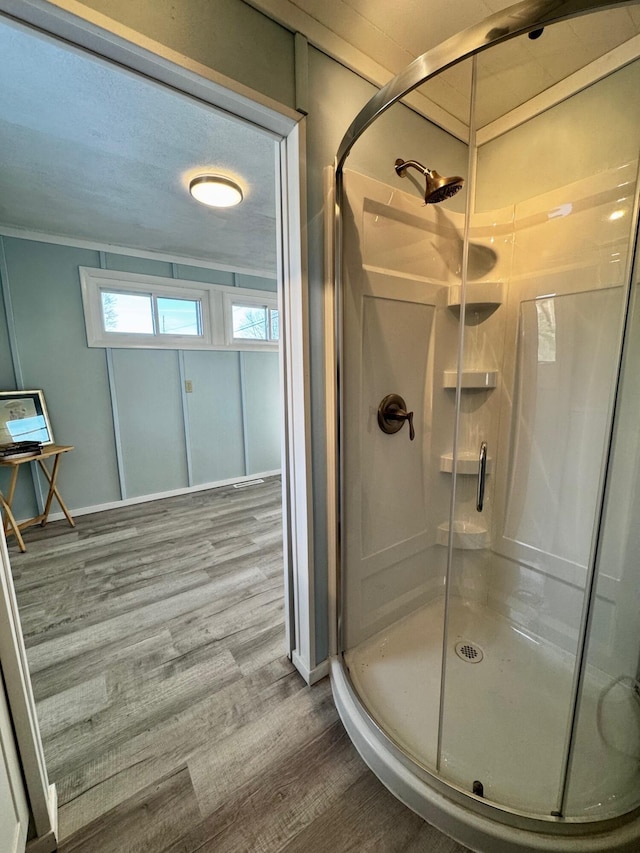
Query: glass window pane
pixel 274 318
pixel 129 313
pixel 178 316
pixel 250 321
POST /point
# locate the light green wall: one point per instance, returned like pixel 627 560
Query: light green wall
pixel 53 353
pixel 146 415
pixel 263 433
pixel 227 35
pixel 23 498
pixel 143 266
pixel 209 276
pixel 7 375
pixel 561 146
pixel 151 426
pixel 214 409
pixel 255 282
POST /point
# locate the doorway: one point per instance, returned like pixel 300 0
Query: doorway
pixel 287 270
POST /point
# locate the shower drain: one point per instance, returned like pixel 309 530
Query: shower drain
pixel 469 652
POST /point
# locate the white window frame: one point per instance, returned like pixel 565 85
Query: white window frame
pixel 216 301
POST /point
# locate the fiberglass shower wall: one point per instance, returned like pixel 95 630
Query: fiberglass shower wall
pixel 401 260
pixel 566 186
pixel 395 323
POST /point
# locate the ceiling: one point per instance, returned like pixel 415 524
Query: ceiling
pixel 395 34
pixel 516 71
pixel 93 152
pixel 120 149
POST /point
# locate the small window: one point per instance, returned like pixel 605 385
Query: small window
pixel 152 312
pixel 255 322
pixel 146 314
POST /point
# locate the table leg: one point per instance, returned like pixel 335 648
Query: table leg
pixel 10 524
pixel 8 502
pixel 53 490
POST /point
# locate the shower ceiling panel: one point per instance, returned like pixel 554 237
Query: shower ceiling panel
pixel 392 35
pixel 516 71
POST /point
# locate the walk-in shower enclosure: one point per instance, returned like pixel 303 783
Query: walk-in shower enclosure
pixel 488 431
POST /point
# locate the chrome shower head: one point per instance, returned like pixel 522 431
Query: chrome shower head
pixel 438 188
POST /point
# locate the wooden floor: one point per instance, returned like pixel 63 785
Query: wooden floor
pixel 171 718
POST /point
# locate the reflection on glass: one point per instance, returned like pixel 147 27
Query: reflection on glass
pixel 564 370
pixel 28 429
pixel 546 311
pixel 274 317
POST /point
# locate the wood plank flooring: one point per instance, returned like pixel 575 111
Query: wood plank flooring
pixel 172 720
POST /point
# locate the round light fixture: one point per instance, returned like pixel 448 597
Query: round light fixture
pixel 215 191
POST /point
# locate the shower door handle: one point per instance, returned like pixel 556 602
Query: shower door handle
pixel 482 473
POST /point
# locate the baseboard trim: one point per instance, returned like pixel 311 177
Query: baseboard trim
pixel 311 676
pixel 158 496
pixel 47 843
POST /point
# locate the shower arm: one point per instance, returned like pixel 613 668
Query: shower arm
pixel 401 165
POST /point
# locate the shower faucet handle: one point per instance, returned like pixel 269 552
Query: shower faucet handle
pixel 412 432
pixel 392 413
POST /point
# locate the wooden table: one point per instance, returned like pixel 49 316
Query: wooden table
pixel 54 451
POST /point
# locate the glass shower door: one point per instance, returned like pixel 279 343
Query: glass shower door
pixel 541 329
pixel 605 754
pixel 400 258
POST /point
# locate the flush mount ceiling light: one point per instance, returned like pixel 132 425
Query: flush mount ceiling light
pixel 215 191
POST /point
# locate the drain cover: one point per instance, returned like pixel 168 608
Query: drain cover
pixel 469 652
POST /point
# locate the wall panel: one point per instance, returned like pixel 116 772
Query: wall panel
pixel 262 410
pixel 184 271
pixel 150 420
pixel 144 266
pixel 215 415
pixel 49 324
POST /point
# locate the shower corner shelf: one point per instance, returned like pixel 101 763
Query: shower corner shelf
pixel 467 536
pixel 471 379
pixel 467 462
pixel 480 294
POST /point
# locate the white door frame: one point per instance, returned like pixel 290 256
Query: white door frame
pixel 83 28
pixel 13 659
pixel 14 812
